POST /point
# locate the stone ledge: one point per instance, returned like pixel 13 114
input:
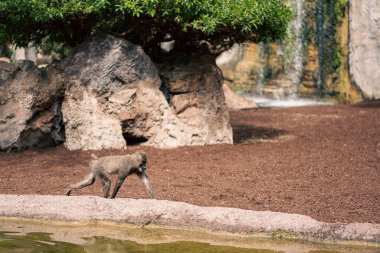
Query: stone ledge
pixel 179 214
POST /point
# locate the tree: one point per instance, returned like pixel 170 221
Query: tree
pixel 193 24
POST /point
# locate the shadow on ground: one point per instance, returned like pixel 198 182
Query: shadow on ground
pixel 247 134
pixel 368 104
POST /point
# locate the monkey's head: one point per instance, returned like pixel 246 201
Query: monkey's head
pixel 144 159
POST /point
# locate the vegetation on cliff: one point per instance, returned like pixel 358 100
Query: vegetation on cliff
pixel 311 60
pixel 191 23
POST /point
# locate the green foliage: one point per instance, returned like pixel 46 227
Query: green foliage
pixel 333 51
pixel 339 9
pixel 5 51
pixel 145 22
pixel 53 48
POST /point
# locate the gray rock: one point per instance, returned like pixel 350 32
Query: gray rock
pixel 105 75
pixel 112 96
pixel 7 71
pixel 115 98
pixel 365 46
pixel 183 215
pixel 29 106
pixel 230 58
pixel 235 101
pixel 197 99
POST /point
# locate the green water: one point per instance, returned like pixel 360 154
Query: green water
pixel 42 243
pixel 33 243
pixel 24 236
pixel 11 242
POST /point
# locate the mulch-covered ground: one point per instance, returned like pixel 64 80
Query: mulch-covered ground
pixel 319 161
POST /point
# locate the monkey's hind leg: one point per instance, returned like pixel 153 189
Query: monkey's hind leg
pixel 106 182
pixel 89 180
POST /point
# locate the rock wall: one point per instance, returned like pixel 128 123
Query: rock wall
pixel 30 106
pixel 365 46
pixel 312 60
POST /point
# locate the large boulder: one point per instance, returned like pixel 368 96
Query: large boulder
pixel 30 100
pixel 236 101
pixel 115 98
pixel 105 77
pixel 365 46
pixel 193 88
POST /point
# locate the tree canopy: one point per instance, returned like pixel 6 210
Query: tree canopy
pixel 191 23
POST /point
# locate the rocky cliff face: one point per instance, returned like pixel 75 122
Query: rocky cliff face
pixel 365 46
pixel 313 59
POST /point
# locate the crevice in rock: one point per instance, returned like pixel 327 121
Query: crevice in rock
pixel 185 108
pixel 165 89
pixel 57 126
pixel 133 130
pixel 133 140
pixel 181 92
pixel 31 138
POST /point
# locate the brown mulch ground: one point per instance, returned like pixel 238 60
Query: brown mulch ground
pixel 319 161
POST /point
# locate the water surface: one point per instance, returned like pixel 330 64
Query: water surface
pixel 44 237
pixel 265 102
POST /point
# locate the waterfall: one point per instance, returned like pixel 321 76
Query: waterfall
pixel 307 62
pixel 298 55
pixel 260 74
pixel 281 71
pixel 320 41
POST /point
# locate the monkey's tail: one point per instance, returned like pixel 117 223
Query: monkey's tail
pixel 94 156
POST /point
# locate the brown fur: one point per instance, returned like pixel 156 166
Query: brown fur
pixel 122 165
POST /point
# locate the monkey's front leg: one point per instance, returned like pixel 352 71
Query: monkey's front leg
pixel 118 184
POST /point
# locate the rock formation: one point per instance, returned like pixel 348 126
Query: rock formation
pixel 193 88
pixel 105 75
pixel 365 46
pixel 116 98
pixel 235 101
pixel 4 59
pixel 313 59
pixel 108 94
pixel 30 106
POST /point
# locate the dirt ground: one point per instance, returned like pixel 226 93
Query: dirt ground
pixel 323 162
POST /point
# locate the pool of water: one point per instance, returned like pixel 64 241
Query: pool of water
pixel 33 237
pixel 264 102
pixel 42 242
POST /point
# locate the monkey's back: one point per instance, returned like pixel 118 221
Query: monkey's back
pixel 113 164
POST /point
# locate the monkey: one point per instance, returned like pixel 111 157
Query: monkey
pixel 122 165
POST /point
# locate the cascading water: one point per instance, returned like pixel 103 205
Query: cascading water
pixel 308 63
pixel 320 39
pixel 281 71
pixel 260 72
pixel 280 85
pixel 298 56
